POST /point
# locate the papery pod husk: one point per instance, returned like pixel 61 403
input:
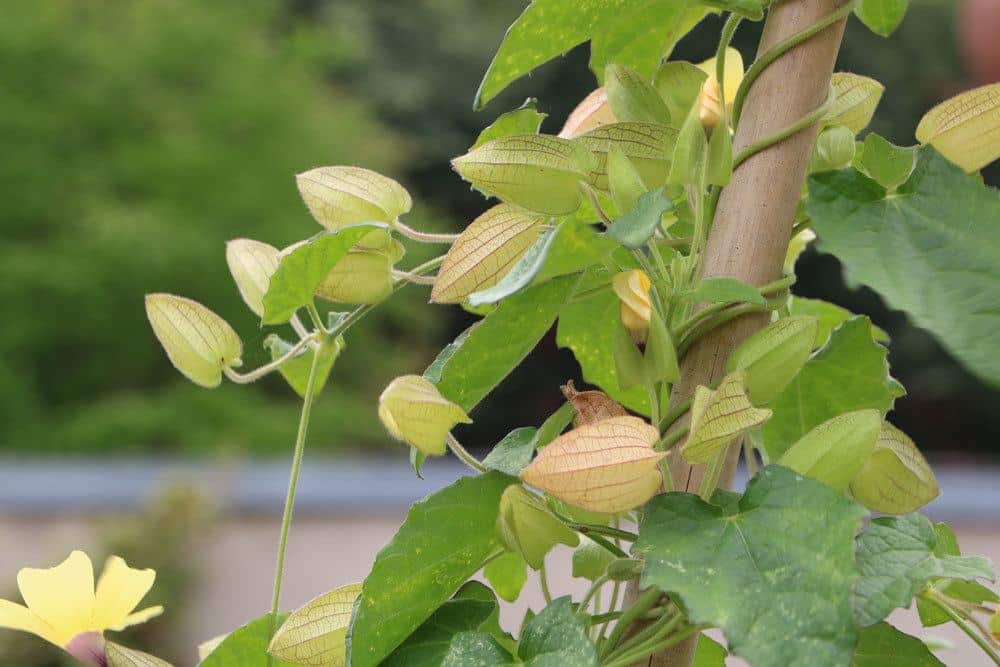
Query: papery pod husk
pixel 896 479
pixel 535 171
pixel 632 98
pixel 687 165
pixel 339 196
pixel 525 526
pixel 646 145
pixel 624 569
pixel 251 264
pixel 836 450
pixel 625 183
pixel 965 128
pixel 198 342
pixel 609 466
pixel 719 168
pixel 590 560
pixel 591 406
pixel 774 355
pixel 316 633
pixel 834 149
pixel 414 411
pixel 720 416
pixel 660 355
pixel 630 368
pixel 856 99
pixel 364 275
pixel 679 83
pixel 485 251
pixel 122 656
pixel 590 113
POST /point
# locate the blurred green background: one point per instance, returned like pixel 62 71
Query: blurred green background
pixel 139 136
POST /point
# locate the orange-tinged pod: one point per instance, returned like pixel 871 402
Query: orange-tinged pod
pixel 591 113
pixel 608 466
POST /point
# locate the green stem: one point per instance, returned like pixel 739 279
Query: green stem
pixel 725 39
pixel 651 648
pixel 424 237
pixel 543 582
pixel 670 439
pixel 612 607
pixel 463 454
pixel 595 586
pixel 256 374
pixel 654 402
pixel 958 620
pixel 644 602
pixel 749 457
pixel 710 479
pixel 607 544
pixel 668 619
pixel 777 51
pixel 589 529
pixel 314 315
pixel 799 125
pixel 779 285
pixel 286 518
pixel 674 413
pixel 721 318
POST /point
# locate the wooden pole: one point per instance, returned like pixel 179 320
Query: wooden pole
pixel 753 221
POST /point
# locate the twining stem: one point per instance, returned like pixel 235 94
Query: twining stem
pixel 293 480
pixel 424 237
pixel 607 544
pixel 589 529
pixel 652 633
pixel 612 606
pixel 413 277
pixel 256 374
pixel 675 413
pixel 961 622
pixel 543 582
pixel 595 587
pixel 463 454
pixel 642 604
pixel 720 318
pixel 670 439
pixel 782 134
pixel 652 647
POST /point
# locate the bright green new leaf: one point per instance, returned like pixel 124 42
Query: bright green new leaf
pixel 557 637
pixel 251 264
pixel 888 164
pixel 577 247
pixel 719 416
pixel 773 569
pixel 896 479
pixel 507 574
pixel 709 653
pixel 881 16
pixel 413 411
pixel 931 249
pixel 587 327
pixel 834 149
pixel 525 526
pixel 536 171
pixel 632 97
pixel 829 317
pixel 837 449
pixel 849 373
pixel 857 98
pixel 678 83
pixel 896 559
pixel 648 147
pixel 719 167
pixel 637 226
pixel 198 342
pixel 636 36
pixel 315 633
pixel 687 166
pixel 486 353
pixel 724 290
pixel 246 647
pixel 774 355
pixel 591 560
pixel 526 119
pixel 965 128
pixel 624 181
pixel 882 645
pixel 121 656
pixel 303 268
pixel 513 452
pixel 296 370
pixel 341 196
pixel 445 539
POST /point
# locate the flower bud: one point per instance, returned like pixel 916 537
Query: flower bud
pixel 414 411
pixel 632 287
pixel 709 103
pixel 591 406
pixel 526 527
pixel 609 466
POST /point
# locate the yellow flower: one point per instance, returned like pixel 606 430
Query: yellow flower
pixel 632 287
pixel 64 608
pixel 709 103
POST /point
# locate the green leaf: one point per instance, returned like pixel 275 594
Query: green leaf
pixel 636 227
pixel 494 346
pixel 888 164
pixel 445 540
pixel 246 647
pixel 636 35
pixel 557 637
pixel 896 559
pixel 475 649
pixel 526 119
pixel 587 327
pixel 709 653
pixel 968 591
pixel 881 16
pixel 830 317
pixel 719 167
pixel 724 290
pixel 527 527
pixel 931 249
pixel 591 560
pixel 536 171
pixel 659 359
pixel 836 450
pixel 577 247
pixel 687 165
pixel 648 147
pixel 438 636
pixel 849 373
pixel 882 645
pixel 513 452
pixel 296 370
pixel 679 83
pixel 302 270
pixel 773 569
pixel 624 181
pixel 507 574
pixel 632 97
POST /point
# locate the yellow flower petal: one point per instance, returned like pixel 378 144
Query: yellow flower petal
pixel 119 591
pixel 17 617
pixel 62 596
pixel 733 74
pixel 138 617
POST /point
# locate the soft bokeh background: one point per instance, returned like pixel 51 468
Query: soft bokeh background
pixel 137 137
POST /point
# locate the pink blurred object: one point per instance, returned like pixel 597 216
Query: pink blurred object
pixel 979 39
